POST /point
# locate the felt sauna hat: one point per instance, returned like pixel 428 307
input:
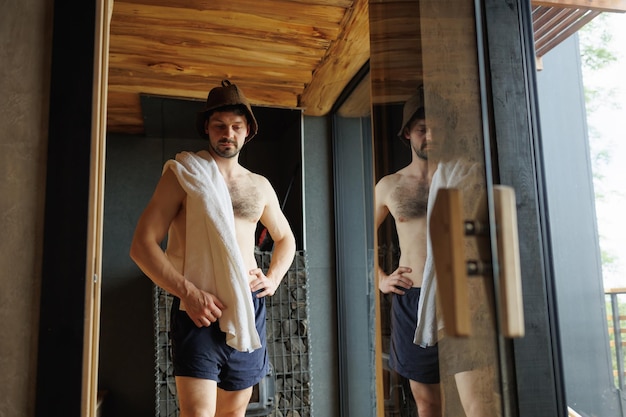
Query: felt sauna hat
pixel 226 95
pixel 414 104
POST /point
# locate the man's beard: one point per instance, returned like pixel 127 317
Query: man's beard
pixel 226 153
pixel 421 153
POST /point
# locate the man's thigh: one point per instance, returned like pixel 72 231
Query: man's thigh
pixel 196 396
pixel 232 403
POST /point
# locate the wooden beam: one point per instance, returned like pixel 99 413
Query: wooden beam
pixel 345 57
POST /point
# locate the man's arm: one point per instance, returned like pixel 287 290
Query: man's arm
pixel 284 251
pixel 146 252
pixel 151 230
pixel 396 280
pixel 381 211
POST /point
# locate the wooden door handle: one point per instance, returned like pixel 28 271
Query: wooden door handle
pixel 511 304
pixel 448 230
pixel 448 250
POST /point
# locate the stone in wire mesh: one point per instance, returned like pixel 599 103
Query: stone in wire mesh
pixel 288 384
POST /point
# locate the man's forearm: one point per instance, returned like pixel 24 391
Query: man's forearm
pixel 154 263
pixel 282 258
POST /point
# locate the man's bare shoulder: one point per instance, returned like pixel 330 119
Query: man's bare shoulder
pixel 389 180
pixel 259 181
pixel 168 187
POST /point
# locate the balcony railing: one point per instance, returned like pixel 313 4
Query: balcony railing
pixel 616 317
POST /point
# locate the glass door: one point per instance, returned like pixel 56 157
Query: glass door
pixel 588 294
pixel 440 341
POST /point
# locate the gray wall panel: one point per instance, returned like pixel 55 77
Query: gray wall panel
pixel 320 254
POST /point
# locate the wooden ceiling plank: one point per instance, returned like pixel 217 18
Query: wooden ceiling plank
pixel 539 11
pixel 391 91
pixel 174 41
pixel 123 117
pixel 127 68
pixel 395 49
pixel 198 87
pixel 150 28
pixel 258 15
pixel 549 32
pixel 544 47
pixel 618 6
pixel 396 26
pixel 549 15
pixel 239 4
pixel 183 36
pixel 562 19
pixel 265 96
pixel 194 86
pixel 288 81
pixel 114 126
pixel 214 55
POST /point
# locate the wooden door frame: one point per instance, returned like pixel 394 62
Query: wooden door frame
pixel 67 367
pixel 69 308
pixel 93 277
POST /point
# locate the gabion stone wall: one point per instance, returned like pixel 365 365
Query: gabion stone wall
pixel 286 392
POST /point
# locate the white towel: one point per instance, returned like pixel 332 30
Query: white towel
pixel 213 261
pixel 469 177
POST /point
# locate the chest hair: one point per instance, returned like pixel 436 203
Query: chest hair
pixel 411 200
pixel 247 201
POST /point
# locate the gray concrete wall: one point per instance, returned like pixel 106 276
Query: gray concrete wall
pixel 320 253
pixel 25 31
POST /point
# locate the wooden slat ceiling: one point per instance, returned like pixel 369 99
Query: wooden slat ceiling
pixel 282 53
pixel 554 21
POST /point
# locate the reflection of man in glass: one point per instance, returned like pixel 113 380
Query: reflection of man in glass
pixel 404 195
pixel 470 361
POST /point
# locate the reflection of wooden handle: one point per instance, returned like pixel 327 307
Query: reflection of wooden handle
pixel 447 236
pixel 511 307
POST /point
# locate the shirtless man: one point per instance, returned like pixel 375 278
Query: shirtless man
pixel 404 195
pixel 213 378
